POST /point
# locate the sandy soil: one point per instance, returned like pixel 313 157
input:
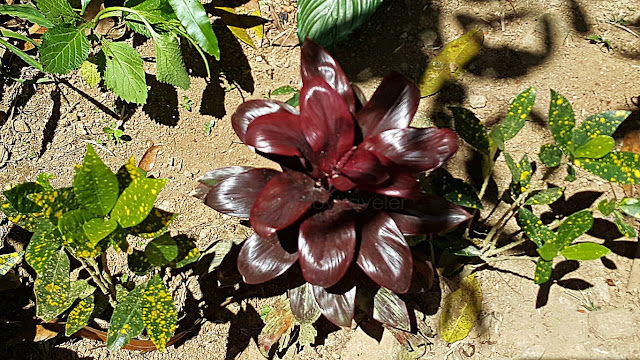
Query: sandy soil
pixel 526 43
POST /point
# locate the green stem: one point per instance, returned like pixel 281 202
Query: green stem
pixel 115 10
pixel 195 44
pixel 491 239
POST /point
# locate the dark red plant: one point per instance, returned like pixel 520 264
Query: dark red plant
pixel 347 190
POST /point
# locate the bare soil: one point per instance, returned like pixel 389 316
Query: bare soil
pixel 588 311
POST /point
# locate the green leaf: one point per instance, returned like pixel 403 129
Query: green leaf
pixel 154 225
pixel 26 12
pixel 169 63
pixel 98 229
pixel 138 263
pixel 585 251
pixel 595 148
pixel 600 124
pixel 533 228
pixel 625 229
pixel 136 201
pixel 187 252
pixel 18 36
pixel 80 289
pixel 470 129
pixel 628 206
pixel 126 321
pixel 543 271
pixel 573 226
pixel 497 137
pixel 460 310
pixel 450 62
pixel 295 100
pixel 513 168
pixel 617 167
pixel 517 114
pixel 389 309
pixel 548 251
pixel 124 73
pixel 606 207
pixel 550 155
pixel 22 55
pixel 28 222
pixel 52 287
pixel 79 316
pixel 64 48
pixel 159 314
pixel 154 11
pixel 43 180
pixel 571 174
pixel 57 11
pixel 83 6
pixel 441 183
pixel 161 250
pixel 17 197
pixel 96 187
pixel 526 171
pixel 194 18
pixel 8 261
pixel 90 74
pixel 118 239
pixel 545 197
pixel 44 243
pixel 329 21
pixel 561 121
pixel 71 225
pixel 55 202
pixel 284 90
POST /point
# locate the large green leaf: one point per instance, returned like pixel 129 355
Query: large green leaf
pixel 550 155
pixel 136 201
pixel 58 11
pixel 55 202
pixel 460 310
pixel 450 62
pixel 561 121
pixel 79 316
pixel 44 243
pixel 161 250
pixel 194 18
pixel 154 225
pixel 604 123
pixel 64 48
pixel 573 226
pixel 95 186
pixel 28 222
pixel 618 167
pixel 624 228
pixel 630 207
pixel 124 73
pixel 546 197
pixel 169 63
pixel 548 251
pixel 99 228
pixel 470 129
pixel 17 197
pixel 543 271
pixel 187 252
pixel 595 148
pixel 534 229
pixel 8 261
pixel 455 190
pixel 22 55
pixel 159 314
pixel 52 287
pixel 329 21
pixel 71 225
pixel 517 114
pixel 126 321
pixel 154 11
pixel 585 251
pixel 26 12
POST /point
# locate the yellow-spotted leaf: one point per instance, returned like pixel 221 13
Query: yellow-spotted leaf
pixel 548 251
pixel 617 167
pixel 44 243
pixel 17 196
pixel 126 321
pixel 585 251
pixel 136 201
pixel 118 239
pixel 154 225
pixel 595 148
pixel 8 261
pixel 187 252
pixel 95 186
pixel 543 271
pixel 450 62
pixel 513 168
pixel 546 197
pixel 52 287
pixel 526 171
pixel 630 207
pixel 460 310
pixel 604 123
pixel 99 228
pixel 441 183
pixel 127 173
pixel 138 263
pixel 573 226
pixel 606 207
pixel 159 314
pixel 624 228
pixel 55 202
pixel 71 226
pixel 79 316
pixel 161 250
pixel 470 129
pixel 28 222
pixel 90 74
pixel 550 155
pixel 561 121
pixel 517 114
pixel 534 229
pixel 43 180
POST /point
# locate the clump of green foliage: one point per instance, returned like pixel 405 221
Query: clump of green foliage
pixel 99 211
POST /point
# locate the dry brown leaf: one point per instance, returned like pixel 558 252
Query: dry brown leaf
pixel 631 143
pixel 149 158
pixel 37 30
pixel 144 346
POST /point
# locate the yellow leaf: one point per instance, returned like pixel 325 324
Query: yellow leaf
pixel 449 64
pixel 460 310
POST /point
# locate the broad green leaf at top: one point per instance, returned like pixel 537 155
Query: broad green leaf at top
pixel 124 73
pixel 95 186
pixel 518 112
pixel 26 12
pixel 561 121
pixel 450 62
pixel 329 21
pixel 194 18
pixel 534 229
pixel 136 201
pixel 64 48
pixel 57 11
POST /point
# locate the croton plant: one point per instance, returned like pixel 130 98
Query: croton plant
pixel 347 194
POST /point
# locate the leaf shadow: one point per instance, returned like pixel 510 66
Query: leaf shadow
pixel 559 271
pixel 578 201
pixel 162 102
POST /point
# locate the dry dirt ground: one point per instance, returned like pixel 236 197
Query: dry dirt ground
pixel 587 312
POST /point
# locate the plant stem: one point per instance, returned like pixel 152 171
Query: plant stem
pixel 491 239
pixel 509 257
pixel 504 248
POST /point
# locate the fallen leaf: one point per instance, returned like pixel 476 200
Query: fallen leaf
pixel 148 160
pixel 278 325
pixel 631 143
pixel 460 310
pixel 36 29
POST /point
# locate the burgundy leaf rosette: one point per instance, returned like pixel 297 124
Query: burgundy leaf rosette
pixel 347 192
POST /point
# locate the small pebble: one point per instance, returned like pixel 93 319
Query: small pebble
pixel 477 101
pixel 21 126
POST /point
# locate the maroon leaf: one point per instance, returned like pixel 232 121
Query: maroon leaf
pixel 285 198
pixel 336 307
pixel 392 106
pixel 365 168
pixel 361 98
pixel 237 194
pixel 303 304
pixel 328 124
pixel 341 183
pixel 263 258
pixel 390 310
pixel 317 62
pixel 213 177
pixel 326 244
pixel 279 134
pixel 385 255
pixel 252 109
pixel 427 215
pixel 415 149
pixel 401 184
